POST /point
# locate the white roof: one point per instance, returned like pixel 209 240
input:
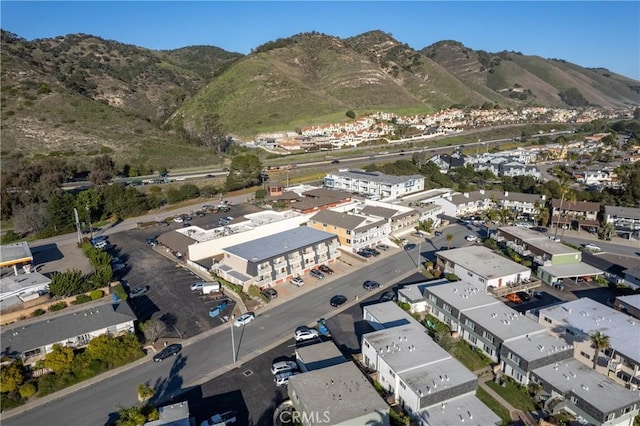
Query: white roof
pixel 579 269
pixel 633 300
pixel 461 295
pixel 503 322
pixel 482 261
pixel 589 316
pixel 439 377
pixel 466 409
pixel 537 346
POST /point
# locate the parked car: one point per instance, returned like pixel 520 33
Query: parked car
pixel 303 333
pixel 364 254
pixel 171 350
pixel 370 285
pixel 592 247
pixel 244 319
pixel 101 244
pixel 373 251
pixel 283 366
pixel 337 300
pixel 224 419
pixel 315 273
pixel 297 281
pixel 283 378
pixel 152 241
pixel 409 246
pixel 387 296
pixel 325 269
pixel 471 237
pixel 178 219
pixel 197 286
pixel 270 293
pixel 382 247
pixel 138 291
pixel 322 327
pixel 523 295
pixel 438 233
pixel 335 161
pixel 98 239
pixel 118 267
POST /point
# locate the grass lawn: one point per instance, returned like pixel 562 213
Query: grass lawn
pixel 514 396
pixel 463 353
pixel 494 405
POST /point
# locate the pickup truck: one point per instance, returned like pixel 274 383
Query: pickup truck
pixel 223 419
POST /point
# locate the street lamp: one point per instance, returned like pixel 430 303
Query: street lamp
pixel 233 345
pixel 89 218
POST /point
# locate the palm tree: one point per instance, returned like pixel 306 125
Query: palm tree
pixel 542 214
pixel 571 199
pixel 504 214
pixel 564 190
pixel 599 342
pixel 606 231
pixel 449 240
pixel 145 393
pixel 491 216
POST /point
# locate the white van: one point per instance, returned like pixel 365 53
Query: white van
pixel 211 287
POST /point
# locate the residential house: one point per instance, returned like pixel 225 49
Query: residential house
pixel 33 338
pixel 353 231
pixel 337 395
pixel 578 319
pixel 373 183
pixel 626 220
pixel 399 218
pixel 413 294
pixel 433 213
pixel 482 267
pixel 577 215
pixel 274 259
pixel 446 162
pixel 514 168
pixel 572 387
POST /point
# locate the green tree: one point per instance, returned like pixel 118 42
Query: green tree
pixel 11 377
pixel 449 240
pixel 145 393
pixel 102 170
pixel 60 212
pixel 59 359
pixel 351 114
pixel 67 283
pixel 599 342
pixel 27 390
pixel 244 172
pixel 131 416
pixel 606 231
pixel 425 225
pixel 114 351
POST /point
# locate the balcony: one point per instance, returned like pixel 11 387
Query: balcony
pixel 280 263
pixel 523 285
pixel 263 281
pixel 614 366
pixel 293 256
pixel 263 269
pixel 309 255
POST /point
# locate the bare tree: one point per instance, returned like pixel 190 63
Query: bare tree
pixel 153 330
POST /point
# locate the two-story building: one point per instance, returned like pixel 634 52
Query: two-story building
pixel 481 267
pixel 580 215
pixel 571 387
pixel 274 259
pixel 519 203
pixel 578 319
pixel 629 305
pixel 374 183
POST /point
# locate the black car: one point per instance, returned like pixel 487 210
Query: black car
pixel 365 254
pixel 387 296
pixel 410 246
pixel 524 296
pixel 338 300
pixel 171 350
pixel 438 233
pixel 325 269
pixel 373 251
pixel 335 161
pixel 270 293
pixel 315 273
pixel 138 291
pixel 370 285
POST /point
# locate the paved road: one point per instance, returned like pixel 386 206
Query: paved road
pixel 211 354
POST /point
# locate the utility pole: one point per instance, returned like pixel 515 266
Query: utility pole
pixel 89 218
pixel 75 214
pixel 233 345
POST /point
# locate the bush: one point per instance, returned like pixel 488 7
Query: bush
pixel 119 292
pixel 405 306
pixel 398 419
pixel 10 237
pixel 57 306
pixel 27 390
pixel 82 298
pixel 96 294
pixel 38 312
pixel 254 291
pixel 526 263
pixel 452 277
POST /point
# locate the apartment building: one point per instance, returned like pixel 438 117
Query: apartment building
pixel 577 215
pixel 274 259
pixel 485 269
pixel 576 320
pixel 353 231
pixel 572 387
pixel 374 183
pixel 519 203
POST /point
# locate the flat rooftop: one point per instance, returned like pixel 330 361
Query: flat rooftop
pixel 462 296
pixel 538 240
pixel 587 384
pixel 325 354
pixel 264 248
pixel 341 390
pixel 537 346
pixel 387 314
pixel 579 269
pixel 633 300
pixel 458 411
pixel 12 284
pixel 504 322
pixel 482 261
pixel 438 377
pixel 406 347
pixel 589 316
pixel 415 292
pixel 379 177
pixel 15 253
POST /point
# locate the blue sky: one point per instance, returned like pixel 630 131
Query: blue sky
pixel 590 34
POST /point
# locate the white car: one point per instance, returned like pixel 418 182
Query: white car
pixel 178 219
pixel 283 378
pixel 197 286
pixel 297 281
pixel 283 366
pixel 592 247
pixel 471 238
pixel 244 319
pixel 305 333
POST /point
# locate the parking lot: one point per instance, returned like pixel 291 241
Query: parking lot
pixel 169 298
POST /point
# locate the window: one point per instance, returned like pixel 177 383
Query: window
pixel 571 332
pixel 446 308
pixel 470 324
pixel 473 339
pixel 432 298
pixel 515 358
pixel 611 416
pixel 348 241
pixel 547 319
pixel 584 354
pixel 402 385
pixel 482 280
pixel 348 231
pixel 366 344
pixel 574 399
pixel 488 336
pixel 627 410
pixel 393 375
pixel 470 274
